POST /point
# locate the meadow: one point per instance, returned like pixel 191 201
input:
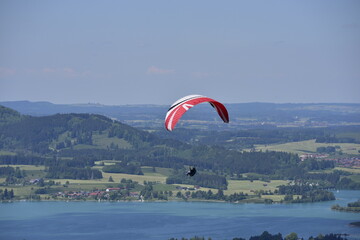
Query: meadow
pixel 309 146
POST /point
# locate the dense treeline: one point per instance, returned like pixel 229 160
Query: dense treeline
pixel 333 139
pixel 5 171
pixel 72 169
pixel 21 159
pixel 209 195
pixel 311 164
pixel 123 167
pixel 308 193
pixel 73 173
pixel 328 149
pixel 268 236
pixel 6 194
pixel 11 172
pixel 347 183
pixel 351 207
pixel 220 160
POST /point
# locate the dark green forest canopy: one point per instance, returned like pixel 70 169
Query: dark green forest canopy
pixel 8 115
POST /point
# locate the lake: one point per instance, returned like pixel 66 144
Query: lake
pixel 164 220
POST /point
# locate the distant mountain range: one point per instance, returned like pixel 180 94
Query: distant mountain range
pixel 203 116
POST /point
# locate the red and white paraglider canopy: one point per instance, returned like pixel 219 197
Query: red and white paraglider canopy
pixel 183 104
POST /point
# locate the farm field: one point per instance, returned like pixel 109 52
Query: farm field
pixel 246 186
pixel 308 146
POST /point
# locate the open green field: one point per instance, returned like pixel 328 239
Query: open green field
pixel 308 146
pixel 2 152
pixel 249 187
pixel 20 191
pixel 355 178
pixel 103 141
pixel 350 170
pixel 26 167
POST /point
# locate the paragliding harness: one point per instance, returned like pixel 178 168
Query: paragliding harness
pixel 191 171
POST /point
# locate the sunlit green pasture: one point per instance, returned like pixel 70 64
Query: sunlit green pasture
pixel 103 141
pixel 246 186
pixel 350 170
pixel 2 152
pixel 355 178
pixel 20 190
pixel 138 178
pixel 116 178
pixel 160 172
pixel 26 167
pixel 275 198
pixel 31 171
pixel 308 146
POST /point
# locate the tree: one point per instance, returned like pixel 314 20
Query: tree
pixel 292 236
pixel 111 179
pixel 11 194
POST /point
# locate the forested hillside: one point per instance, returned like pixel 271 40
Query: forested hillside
pixel 85 135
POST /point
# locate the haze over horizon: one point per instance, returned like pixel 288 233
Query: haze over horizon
pixel 154 52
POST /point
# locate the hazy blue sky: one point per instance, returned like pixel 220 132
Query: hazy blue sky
pixel 131 52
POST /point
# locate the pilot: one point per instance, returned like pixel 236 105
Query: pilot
pixel 191 172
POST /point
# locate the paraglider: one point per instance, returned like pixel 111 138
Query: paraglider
pixel 178 108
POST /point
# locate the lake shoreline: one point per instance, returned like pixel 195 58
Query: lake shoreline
pixel 247 201
pixel 114 220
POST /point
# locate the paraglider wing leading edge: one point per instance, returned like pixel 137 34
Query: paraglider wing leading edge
pixel 178 108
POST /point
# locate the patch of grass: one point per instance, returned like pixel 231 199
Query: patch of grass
pixel 246 186
pixel 85 146
pixel 164 187
pixel 160 172
pixel 308 146
pixel 116 177
pixel 355 178
pixel 26 167
pixel 275 198
pixel 350 170
pixel 103 141
pixel 2 152
pixel 21 190
pixel 138 178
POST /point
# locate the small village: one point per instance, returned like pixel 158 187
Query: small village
pixel 98 194
pixel 345 162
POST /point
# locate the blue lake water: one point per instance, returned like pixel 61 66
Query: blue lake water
pixel 164 220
